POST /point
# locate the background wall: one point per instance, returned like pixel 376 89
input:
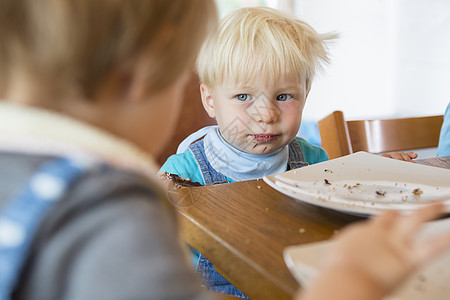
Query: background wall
pixel 392 58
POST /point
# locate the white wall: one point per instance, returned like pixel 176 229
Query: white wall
pixel 392 58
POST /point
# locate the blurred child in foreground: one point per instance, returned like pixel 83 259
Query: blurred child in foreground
pixel 91 89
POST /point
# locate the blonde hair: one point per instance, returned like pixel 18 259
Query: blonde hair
pixel 76 44
pixel 261 40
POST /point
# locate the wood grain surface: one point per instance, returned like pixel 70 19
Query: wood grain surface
pixel 244 227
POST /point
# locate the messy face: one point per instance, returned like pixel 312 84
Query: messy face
pixel 259 117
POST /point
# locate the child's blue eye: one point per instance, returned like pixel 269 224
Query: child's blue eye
pixel 243 97
pixel 283 97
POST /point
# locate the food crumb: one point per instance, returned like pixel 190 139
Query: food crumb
pixel 417 192
pixel 267 209
pixel 258 186
pixel 177 181
pixel 302 230
pixel 380 193
pixel 357 185
pixel 327 182
pixel 328 171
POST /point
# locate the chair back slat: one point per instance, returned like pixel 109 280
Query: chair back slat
pixel 379 136
pixel 334 135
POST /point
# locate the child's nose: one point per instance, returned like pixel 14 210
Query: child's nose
pixel 268 113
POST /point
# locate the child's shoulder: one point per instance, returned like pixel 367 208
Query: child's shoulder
pixel 313 154
pixel 104 208
pixel 184 165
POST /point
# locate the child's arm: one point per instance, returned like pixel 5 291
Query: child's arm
pixel 406 156
pixel 183 165
pixel 371 259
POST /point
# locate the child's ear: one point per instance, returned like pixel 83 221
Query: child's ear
pixel 207 100
pixel 135 83
pixel 307 89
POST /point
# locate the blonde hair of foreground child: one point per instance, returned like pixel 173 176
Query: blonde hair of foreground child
pixel 59 51
pixel 74 45
pixel 261 40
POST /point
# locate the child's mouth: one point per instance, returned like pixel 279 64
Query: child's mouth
pixel 265 137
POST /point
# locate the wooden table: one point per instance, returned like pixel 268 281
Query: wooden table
pixel 243 228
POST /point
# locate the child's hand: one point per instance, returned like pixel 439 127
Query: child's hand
pixel 371 259
pixel 406 156
pixel 383 249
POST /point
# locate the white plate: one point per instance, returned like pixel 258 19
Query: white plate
pixel 364 183
pixel 430 282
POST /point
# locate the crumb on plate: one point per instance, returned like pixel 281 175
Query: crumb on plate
pixel 417 192
pixel 380 193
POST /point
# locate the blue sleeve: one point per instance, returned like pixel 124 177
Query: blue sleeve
pixel 183 165
pixel 444 139
pixel 313 154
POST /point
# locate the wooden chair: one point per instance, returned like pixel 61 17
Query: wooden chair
pixel 341 137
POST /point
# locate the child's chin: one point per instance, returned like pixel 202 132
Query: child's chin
pixel 261 150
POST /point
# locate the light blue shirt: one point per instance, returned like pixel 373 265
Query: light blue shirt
pixel 444 139
pixel 185 165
